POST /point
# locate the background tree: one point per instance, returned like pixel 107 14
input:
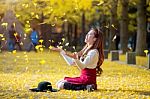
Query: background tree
pixel 141 27
pixel 124 25
pixel 113 24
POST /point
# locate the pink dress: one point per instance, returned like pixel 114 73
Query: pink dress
pixel 87 76
pixel 88 70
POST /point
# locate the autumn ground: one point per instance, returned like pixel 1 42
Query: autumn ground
pixel 21 71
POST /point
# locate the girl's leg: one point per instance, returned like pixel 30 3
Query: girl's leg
pixel 70 86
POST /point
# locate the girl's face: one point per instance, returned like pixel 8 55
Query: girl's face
pixel 90 37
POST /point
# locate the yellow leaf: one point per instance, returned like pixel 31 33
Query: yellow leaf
pixel 100 3
pixel 42 61
pixel 21 43
pixel 63 39
pixel 61 47
pixel 14 24
pixel 25 55
pixel 27 5
pixel 23 5
pixel 15 34
pixel 1 35
pixel 41 49
pixel 73 47
pixel 114 26
pixel 4 24
pixel 50 47
pixel 27 21
pixel 66 44
pixel 35 4
pixel 37 47
pixel 114 38
pixel 36 16
pixel 3 39
pixel 14 51
pixel 41 41
pixel 17 15
pixel 32 13
pixel 53 24
pixel 146 51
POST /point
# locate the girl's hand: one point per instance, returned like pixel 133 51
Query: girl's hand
pixel 75 55
pixel 57 49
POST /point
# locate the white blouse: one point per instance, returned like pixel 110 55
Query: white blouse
pixel 90 61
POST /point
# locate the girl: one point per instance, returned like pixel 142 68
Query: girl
pixel 88 60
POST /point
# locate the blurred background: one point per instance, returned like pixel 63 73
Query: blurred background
pixel 125 23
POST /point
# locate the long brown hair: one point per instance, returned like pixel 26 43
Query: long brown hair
pixel 99 46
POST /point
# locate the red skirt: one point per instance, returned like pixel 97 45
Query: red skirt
pixel 87 76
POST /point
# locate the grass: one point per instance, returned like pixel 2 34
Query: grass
pixel 21 71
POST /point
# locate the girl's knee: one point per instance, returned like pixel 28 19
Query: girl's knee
pixel 60 84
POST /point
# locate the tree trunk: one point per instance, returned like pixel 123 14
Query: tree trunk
pixel 75 34
pixel 113 22
pixel 83 29
pixel 141 28
pixel 124 26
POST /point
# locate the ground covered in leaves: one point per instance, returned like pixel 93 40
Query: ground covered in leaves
pixel 20 71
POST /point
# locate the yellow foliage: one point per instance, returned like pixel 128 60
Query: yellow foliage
pixel 118 81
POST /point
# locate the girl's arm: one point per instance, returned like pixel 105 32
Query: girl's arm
pixel 72 55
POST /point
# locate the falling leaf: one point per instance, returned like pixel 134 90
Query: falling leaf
pixel 27 5
pixel 74 47
pixel 114 26
pixel 3 39
pixel 32 13
pixel 114 38
pixel 63 39
pixel 66 44
pixel 1 35
pixel 14 51
pixel 35 4
pixel 36 16
pixel 4 24
pixel 53 24
pixel 41 49
pixel 25 35
pixel 41 41
pixel 14 24
pixel 28 22
pixel 17 15
pixel 65 20
pixel 15 34
pixel 61 47
pixel 50 47
pixel 23 5
pixel 37 47
pixel 21 43
pixel 55 18
pixel 146 51
pixel 59 43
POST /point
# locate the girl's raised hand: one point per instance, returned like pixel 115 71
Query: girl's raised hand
pixel 58 49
